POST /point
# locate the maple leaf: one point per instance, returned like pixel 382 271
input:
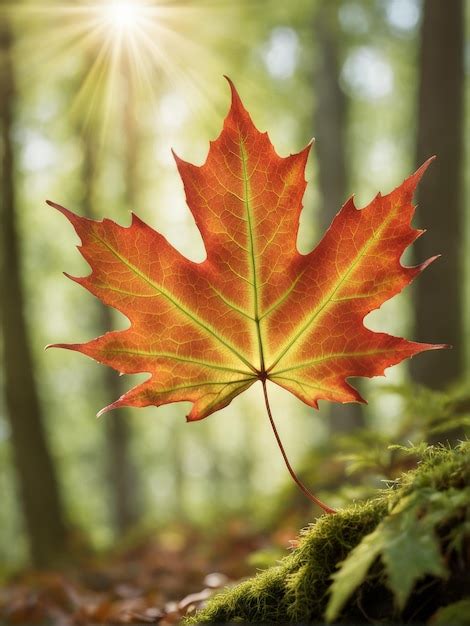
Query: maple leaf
pixel 255 308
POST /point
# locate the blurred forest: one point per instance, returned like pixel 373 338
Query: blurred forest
pixel 88 116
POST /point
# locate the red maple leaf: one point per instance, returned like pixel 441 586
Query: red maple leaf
pixel 255 309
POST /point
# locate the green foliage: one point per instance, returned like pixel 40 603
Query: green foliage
pixel 424 414
pixel 408 530
pixel 365 450
pixel 427 412
pixel 455 613
pixel 406 543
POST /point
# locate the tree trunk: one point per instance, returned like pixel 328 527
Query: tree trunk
pixel 38 486
pixel 121 472
pixel 330 145
pixel 330 115
pixel 438 292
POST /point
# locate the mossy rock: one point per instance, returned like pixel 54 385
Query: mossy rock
pixel 407 552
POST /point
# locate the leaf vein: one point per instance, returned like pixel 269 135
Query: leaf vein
pixel 173 301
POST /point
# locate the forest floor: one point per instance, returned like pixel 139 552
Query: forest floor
pixel 157 580
pixel 163 576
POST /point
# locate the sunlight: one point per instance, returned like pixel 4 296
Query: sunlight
pixel 124 16
pixel 125 53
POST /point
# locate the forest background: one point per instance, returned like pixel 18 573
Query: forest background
pixel 90 108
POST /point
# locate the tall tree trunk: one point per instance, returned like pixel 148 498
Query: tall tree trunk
pixel 330 131
pixel 38 487
pixel 121 468
pixel 121 471
pixel 330 114
pixel 438 292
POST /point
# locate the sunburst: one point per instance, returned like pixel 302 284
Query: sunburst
pixel 122 47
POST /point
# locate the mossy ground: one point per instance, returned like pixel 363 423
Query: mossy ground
pixel 296 590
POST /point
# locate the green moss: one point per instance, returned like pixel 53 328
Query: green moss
pixel 296 590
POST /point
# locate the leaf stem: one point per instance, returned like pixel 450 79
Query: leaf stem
pixel 300 484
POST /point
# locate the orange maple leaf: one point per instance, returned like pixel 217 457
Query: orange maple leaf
pixel 255 308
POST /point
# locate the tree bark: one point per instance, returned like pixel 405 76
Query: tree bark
pixel 38 485
pixel 330 130
pixel 439 291
pixel 330 115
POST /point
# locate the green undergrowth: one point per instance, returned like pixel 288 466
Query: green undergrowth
pixel 402 557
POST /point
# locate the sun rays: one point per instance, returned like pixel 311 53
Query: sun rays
pixel 112 50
